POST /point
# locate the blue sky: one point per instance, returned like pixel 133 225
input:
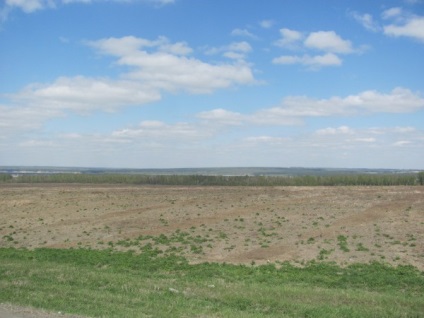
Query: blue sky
pixel 212 83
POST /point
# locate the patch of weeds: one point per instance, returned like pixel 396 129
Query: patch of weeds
pixel 163 221
pixel 323 254
pixel 196 249
pixel 222 235
pixel 388 236
pixel 361 248
pixel 8 238
pixel 411 237
pixel 342 242
pixel 310 240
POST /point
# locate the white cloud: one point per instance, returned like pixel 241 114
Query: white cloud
pixel 179 48
pixel 267 140
pixel 367 21
pixel 344 130
pixel 160 131
pixel 405 130
pixel 399 100
pixel 164 70
pixel 266 24
pixel 294 109
pixel 235 50
pixel 29 6
pixel 402 143
pixel 243 33
pixel 23 118
pixel 240 47
pixel 83 95
pixel 314 62
pixel 222 116
pixel 403 24
pixel 153 66
pixel 413 28
pixel 392 13
pixel 289 38
pixel 328 41
pixel 367 140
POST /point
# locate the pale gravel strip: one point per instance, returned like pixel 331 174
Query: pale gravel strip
pixel 15 311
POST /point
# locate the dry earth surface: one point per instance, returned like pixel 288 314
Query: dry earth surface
pixel 222 224
pixel 14 311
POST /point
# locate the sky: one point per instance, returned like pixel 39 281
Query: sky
pixel 212 83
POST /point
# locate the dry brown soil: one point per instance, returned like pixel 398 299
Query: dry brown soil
pixel 222 224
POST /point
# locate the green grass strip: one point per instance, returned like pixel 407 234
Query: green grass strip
pixel 111 284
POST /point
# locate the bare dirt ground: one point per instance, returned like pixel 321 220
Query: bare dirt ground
pixel 222 224
pixel 14 311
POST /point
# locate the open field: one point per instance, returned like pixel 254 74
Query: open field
pixel 75 235
pixel 221 224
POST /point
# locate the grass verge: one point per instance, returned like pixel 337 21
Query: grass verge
pixel 110 284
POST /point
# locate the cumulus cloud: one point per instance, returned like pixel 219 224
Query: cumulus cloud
pixel 289 39
pixel 399 100
pixel 329 42
pixel 294 109
pixel 314 62
pixel 82 95
pixel 163 69
pixel 412 27
pixel 397 22
pixel 151 67
pixel 235 50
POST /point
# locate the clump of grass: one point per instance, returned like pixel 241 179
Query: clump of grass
pixel 323 254
pixel 342 242
pixel 361 248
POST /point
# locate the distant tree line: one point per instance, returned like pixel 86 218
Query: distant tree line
pixel 208 180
